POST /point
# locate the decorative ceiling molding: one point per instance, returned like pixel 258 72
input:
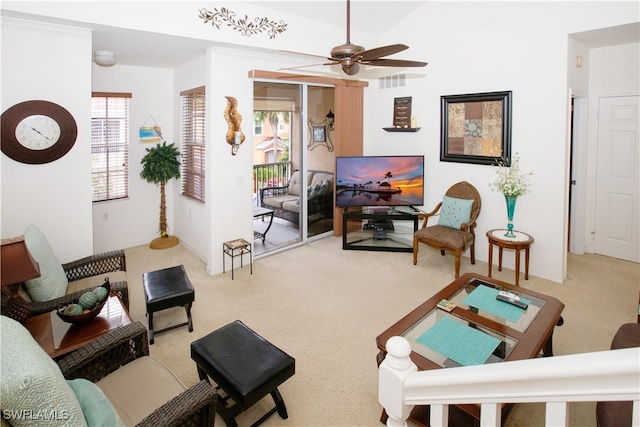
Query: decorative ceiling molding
pixel 244 26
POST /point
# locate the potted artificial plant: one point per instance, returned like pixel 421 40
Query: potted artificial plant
pixel 159 165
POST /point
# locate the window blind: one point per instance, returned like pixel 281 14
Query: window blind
pixel 193 143
pixel 110 146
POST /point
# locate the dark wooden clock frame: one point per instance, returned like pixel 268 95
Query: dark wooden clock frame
pixel 15 114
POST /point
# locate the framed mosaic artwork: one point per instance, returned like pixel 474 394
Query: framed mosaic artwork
pixel 476 128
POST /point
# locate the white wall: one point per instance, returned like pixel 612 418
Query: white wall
pixel 227 213
pixel 135 220
pixel 578 83
pixel 191 218
pixel 489 47
pixel 231 185
pixel 51 63
pixel 578 76
pixel 180 18
pixel 480 47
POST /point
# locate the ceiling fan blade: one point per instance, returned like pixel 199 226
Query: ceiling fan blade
pixel 310 65
pixel 304 54
pixel 395 63
pixel 379 52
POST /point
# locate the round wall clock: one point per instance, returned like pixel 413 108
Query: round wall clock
pixel 37 132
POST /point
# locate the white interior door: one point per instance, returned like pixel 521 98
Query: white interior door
pixel 617 219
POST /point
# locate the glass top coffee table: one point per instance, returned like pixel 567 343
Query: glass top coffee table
pixel 479 329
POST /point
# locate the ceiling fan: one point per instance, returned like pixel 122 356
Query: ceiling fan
pixel 350 56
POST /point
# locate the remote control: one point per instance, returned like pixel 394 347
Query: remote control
pixel 509 295
pixel 512 301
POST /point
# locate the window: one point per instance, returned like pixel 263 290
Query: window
pixel 257 125
pixel 193 147
pixel 110 146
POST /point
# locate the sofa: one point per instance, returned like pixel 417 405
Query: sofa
pixel 285 200
pixel 62 284
pixel 614 413
pixel 112 381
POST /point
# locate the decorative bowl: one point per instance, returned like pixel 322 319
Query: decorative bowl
pixel 86 317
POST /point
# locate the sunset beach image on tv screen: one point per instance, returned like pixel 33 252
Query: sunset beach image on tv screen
pixel 380 181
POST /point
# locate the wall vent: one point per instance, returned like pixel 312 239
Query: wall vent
pixel 390 82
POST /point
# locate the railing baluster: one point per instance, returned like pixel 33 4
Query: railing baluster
pixel 439 415
pixel 490 415
pixel 556 414
pixel 270 175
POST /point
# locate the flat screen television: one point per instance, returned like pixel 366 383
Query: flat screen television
pixel 380 181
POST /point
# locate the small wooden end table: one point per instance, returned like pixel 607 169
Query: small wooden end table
pixel 521 241
pixel 58 338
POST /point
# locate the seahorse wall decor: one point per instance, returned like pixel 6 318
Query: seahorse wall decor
pixel 234 137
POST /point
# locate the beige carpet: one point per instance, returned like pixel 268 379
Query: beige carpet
pixel 325 307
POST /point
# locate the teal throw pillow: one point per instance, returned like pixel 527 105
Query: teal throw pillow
pixel 34 392
pixel 455 212
pixel 52 282
pixel 96 408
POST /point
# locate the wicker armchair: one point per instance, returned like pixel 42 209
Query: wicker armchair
pixel 196 406
pixel 97 266
pixel 445 238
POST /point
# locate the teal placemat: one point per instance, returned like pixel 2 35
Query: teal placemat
pixel 484 298
pixel 463 344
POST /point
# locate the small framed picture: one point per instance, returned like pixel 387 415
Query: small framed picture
pixel 319 134
pixel 150 134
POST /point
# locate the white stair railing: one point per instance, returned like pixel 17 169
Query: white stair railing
pixel 612 375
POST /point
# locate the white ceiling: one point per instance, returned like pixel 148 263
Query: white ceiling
pixel 137 48
pixel 622 34
pixel 140 48
pixel 367 16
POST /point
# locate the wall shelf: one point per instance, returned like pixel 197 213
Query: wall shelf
pixel 402 129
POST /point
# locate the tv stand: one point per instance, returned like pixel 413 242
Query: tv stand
pixel 375 229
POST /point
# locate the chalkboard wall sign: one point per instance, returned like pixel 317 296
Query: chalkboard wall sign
pixel 402 112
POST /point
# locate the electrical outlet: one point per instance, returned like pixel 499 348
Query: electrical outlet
pixel 105 216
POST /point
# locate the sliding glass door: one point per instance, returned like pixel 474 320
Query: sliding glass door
pixel 293 163
pixel 320 159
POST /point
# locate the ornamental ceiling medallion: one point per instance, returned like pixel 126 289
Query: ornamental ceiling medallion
pixel 245 26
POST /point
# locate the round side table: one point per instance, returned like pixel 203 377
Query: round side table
pixel 521 241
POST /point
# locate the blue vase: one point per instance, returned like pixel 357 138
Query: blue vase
pixel 511 208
